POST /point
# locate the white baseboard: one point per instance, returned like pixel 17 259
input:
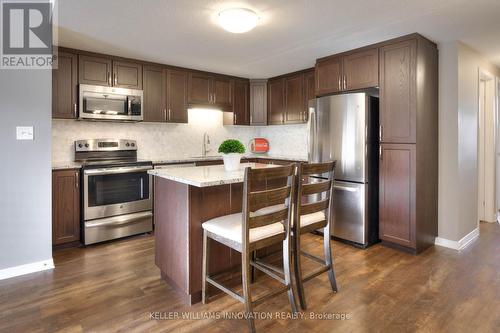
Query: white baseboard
pixel 26 269
pixel 458 245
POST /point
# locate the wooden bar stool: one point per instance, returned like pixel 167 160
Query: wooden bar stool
pixel 265 220
pixel 313 210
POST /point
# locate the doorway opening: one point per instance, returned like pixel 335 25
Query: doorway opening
pixel 487 148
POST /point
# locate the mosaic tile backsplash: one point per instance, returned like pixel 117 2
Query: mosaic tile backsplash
pixel 170 141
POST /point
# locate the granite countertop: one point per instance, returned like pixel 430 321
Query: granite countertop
pixel 215 158
pixel 62 165
pixel 204 176
pixel 66 165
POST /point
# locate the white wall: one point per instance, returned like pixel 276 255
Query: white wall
pixel 172 141
pixel 25 170
pixel 458 119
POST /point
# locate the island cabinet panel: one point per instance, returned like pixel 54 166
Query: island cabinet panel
pixel 127 74
pixel 180 211
pixel 397 194
pixel 294 99
pixel 361 70
pixel 154 79
pixel 177 96
pixel 94 70
pixel 398 85
pixel 65 87
pixel 276 102
pixel 65 206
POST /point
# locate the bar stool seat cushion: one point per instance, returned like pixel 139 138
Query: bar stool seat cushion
pixel 229 227
pixel 308 219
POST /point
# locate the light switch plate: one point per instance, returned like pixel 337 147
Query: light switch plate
pixel 24 132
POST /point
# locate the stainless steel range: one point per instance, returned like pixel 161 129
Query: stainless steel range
pixel 116 190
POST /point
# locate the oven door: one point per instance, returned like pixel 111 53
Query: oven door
pixel 116 191
pixel 110 103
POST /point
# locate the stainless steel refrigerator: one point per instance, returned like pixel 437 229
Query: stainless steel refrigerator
pixel 345 128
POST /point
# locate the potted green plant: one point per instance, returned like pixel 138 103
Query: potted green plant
pixel 231 151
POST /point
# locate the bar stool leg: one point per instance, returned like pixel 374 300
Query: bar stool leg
pixel 287 256
pixel 298 271
pixel 206 255
pixel 329 258
pixel 246 274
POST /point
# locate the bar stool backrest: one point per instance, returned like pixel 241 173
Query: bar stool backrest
pixel 272 205
pixel 314 194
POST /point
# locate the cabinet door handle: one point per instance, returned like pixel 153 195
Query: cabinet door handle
pixel 380 153
pixel 77 179
pixel 340 83
pixel 116 79
pixel 75 110
pixel 234 120
pixel 215 98
pixel 345 82
pixel 380 132
pixel 169 114
pixel 165 114
pixel 109 78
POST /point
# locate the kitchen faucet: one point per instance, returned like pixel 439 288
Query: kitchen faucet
pixel 206 142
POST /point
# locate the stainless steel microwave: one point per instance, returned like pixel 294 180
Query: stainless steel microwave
pixel 110 103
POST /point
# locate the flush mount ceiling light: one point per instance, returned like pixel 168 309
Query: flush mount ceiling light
pixel 238 20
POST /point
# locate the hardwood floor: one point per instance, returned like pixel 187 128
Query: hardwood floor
pixel 115 286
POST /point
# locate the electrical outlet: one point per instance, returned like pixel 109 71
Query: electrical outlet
pixel 24 133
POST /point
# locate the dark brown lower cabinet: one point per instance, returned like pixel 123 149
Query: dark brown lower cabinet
pixel 397 194
pixel 65 206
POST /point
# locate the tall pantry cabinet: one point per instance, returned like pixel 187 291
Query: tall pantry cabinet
pixel 408 143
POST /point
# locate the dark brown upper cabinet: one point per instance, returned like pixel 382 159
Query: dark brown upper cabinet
pixel 351 71
pixel 200 89
pixel 165 95
pixel 241 102
pixel 95 70
pixel 154 81
pixel 210 91
pixel 127 74
pixel 222 90
pixel 177 96
pixel 258 102
pixel 310 85
pixel 276 101
pixel 295 111
pixel 288 97
pixel 65 87
pixel 360 69
pixel 107 72
pixel 398 107
pixel 65 206
pixel 328 75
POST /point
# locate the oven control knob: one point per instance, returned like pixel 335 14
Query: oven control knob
pixel 86 145
pixel 127 144
pixel 133 144
pixel 80 145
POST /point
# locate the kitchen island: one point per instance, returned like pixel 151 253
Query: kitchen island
pixel 184 198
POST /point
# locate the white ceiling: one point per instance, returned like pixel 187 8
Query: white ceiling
pixel 290 36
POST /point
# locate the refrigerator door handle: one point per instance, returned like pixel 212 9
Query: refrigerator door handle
pixel 311 134
pixel 345 188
